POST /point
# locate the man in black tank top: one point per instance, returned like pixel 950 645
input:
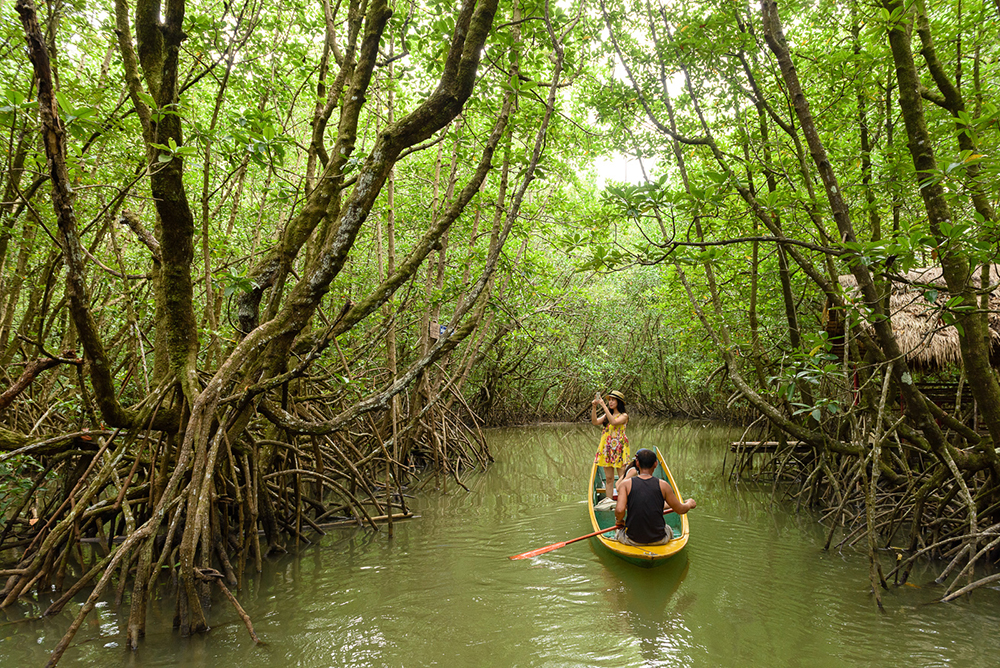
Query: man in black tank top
pixel 642 499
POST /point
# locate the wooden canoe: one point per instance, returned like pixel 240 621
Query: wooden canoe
pixel 647 555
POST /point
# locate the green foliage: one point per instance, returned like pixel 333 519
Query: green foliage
pixel 815 367
pixel 627 241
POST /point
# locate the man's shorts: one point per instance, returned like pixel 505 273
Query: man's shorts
pixel 623 538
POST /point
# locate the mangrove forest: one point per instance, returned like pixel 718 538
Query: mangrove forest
pixel 268 269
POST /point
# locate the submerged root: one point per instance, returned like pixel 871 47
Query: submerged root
pixel 924 508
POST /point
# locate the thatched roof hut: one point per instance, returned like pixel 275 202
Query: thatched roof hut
pixel 916 304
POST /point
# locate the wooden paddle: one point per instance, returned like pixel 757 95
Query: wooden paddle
pixel 556 546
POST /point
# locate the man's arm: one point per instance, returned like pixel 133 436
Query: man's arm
pixel 672 500
pixel 623 489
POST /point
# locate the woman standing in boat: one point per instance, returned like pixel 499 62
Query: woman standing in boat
pixel 613 451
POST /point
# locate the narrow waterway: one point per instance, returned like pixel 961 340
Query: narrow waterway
pixel 754 589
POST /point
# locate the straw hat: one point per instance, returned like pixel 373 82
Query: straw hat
pixel 616 394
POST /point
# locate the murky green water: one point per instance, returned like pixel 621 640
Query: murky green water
pixel 755 589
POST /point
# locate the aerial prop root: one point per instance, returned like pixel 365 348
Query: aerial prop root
pixel 210 574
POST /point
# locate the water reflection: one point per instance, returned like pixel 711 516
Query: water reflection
pixel 640 602
pixel 643 591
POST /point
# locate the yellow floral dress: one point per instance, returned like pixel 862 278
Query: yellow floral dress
pixel 613 450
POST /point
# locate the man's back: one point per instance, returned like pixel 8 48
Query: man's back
pixel 644 518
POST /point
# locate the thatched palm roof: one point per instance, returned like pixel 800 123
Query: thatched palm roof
pixel 916 303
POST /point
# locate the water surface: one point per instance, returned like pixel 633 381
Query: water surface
pixel 753 588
